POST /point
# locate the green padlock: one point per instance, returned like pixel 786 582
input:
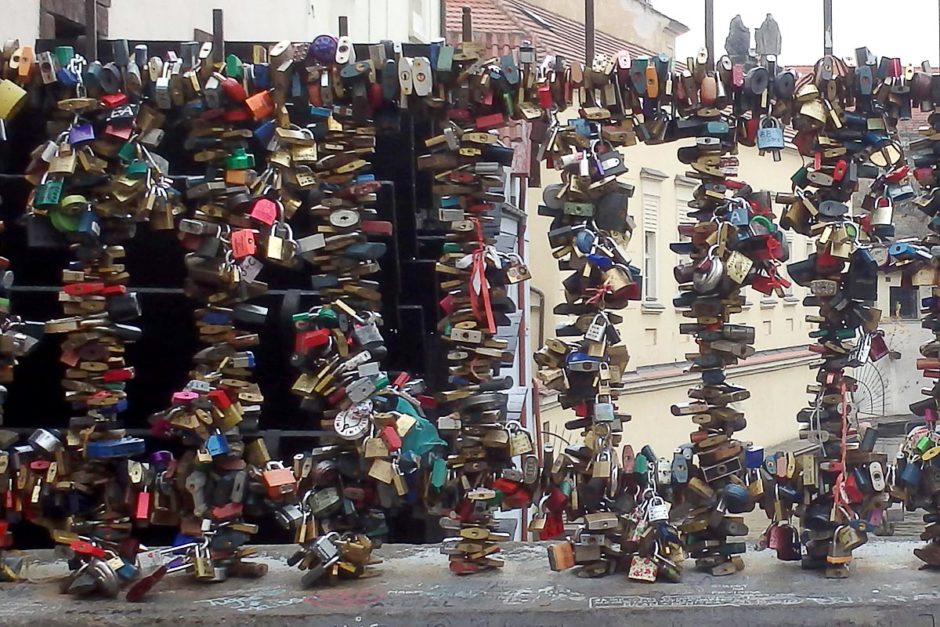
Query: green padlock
pixel 128 152
pixel 137 169
pixel 641 465
pixel 240 160
pixel 64 55
pixel 438 472
pixel 327 317
pixel 923 444
pixel 233 66
pixel 48 194
pixel 451 247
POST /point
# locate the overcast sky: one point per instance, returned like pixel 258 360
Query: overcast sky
pixel 896 28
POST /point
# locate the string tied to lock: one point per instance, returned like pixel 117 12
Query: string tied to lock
pixel 480 302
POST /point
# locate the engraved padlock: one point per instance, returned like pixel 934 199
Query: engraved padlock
pixel 658 509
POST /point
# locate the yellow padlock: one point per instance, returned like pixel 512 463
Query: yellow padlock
pixel 12 99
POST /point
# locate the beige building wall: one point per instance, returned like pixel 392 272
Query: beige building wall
pixel 777 376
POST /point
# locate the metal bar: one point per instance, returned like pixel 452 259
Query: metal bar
pixel 827 26
pixel 264 432
pixel 343 26
pixel 442 22
pixel 588 32
pixel 467 25
pixel 91 30
pixel 218 35
pixel 710 33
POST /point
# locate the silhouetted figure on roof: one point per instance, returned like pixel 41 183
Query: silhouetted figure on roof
pixel 738 41
pixel 767 38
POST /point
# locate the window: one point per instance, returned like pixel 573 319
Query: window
pixel 649 265
pixel 904 303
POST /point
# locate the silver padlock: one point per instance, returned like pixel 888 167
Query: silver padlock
pixel 603 409
pixel 658 509
pixel 598 328
pixel 770 136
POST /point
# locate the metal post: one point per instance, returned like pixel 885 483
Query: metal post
pixel 443 20
pixel 710 33
pixel 218 36
pixel 588 32
pixel 467 25
pixel 827 26
pixel 343 26
pixel 91 30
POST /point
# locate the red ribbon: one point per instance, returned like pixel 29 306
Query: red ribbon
pixel 478 272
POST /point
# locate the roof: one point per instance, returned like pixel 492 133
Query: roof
pixel 506 23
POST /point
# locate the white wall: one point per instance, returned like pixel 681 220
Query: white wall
pixel 19 19
pixel 274 20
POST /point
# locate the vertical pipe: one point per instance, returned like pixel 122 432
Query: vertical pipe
pixel 588 32
pixel 827 26
pixel 91 30
pixel 443 20
pixel 710 33
pixel 218 35
pixel 467 25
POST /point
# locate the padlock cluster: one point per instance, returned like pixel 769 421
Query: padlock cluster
pixel 733 243
pixel 360 472
pixel 467 162
pixel 846 123
pixel 625 522
pixel 917 483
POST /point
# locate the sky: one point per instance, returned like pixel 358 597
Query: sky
pixel 900 28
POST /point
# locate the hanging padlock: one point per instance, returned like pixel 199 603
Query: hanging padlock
pixel 770 136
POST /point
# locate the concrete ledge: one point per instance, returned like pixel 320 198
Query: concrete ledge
pixel 415 589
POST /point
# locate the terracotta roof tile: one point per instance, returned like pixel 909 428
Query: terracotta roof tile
pixel 508 22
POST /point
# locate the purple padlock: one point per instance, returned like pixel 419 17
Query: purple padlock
pixel 81 133
pixel 161 458
pixel 323 49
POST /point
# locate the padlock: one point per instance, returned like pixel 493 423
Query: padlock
pixel 770 136
pixel 279 481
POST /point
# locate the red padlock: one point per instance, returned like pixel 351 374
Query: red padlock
pixel 391 437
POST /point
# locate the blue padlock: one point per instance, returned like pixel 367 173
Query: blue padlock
pixel 217 444
pixel 601 262
pixel 584 241
pixel 110 449
pixel 319 112
pixel 261 75
pixel 214 316
pixel 581 126
pixel 264 132
pixel 910 476
pixel 738 215
pixel 88 224
pixel 753 456
pixel 364 178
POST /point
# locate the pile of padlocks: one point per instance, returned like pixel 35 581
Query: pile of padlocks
pixel 917 465
pixel 99 176
pixel 625 522
pixel 733 242
pixel 467 163
pixel 845 119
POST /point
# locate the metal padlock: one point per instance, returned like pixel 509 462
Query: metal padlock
pixel 658 509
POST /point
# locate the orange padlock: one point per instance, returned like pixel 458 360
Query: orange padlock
pixel 279 481
pixel 261 105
